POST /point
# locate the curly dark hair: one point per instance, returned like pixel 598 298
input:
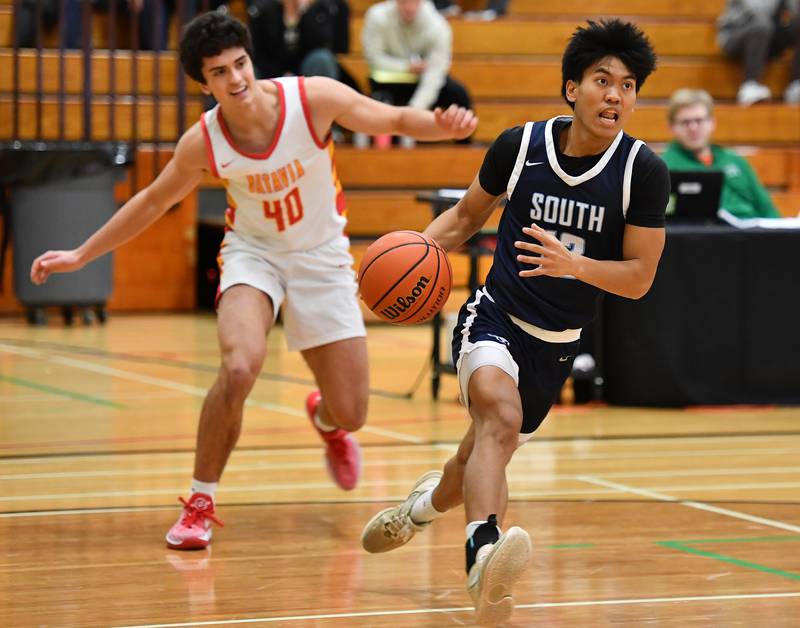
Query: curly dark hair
pixel 208 35
pixel 607 38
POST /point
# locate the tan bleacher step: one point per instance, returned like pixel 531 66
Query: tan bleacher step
pixel 100 119
pixel 456 166
pixel 509 79
pixel 373 213
pixel 788 203
pixel 549 37
pixel 6 25
pixel 123 66
pixel 698 9
pixel 768 123
pixel 680 36
pixel 488 79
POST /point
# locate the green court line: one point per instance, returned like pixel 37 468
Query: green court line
pixel 728 559
pixel 569 546
pixel 60 392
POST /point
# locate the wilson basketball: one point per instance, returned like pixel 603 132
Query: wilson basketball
pixel 405 277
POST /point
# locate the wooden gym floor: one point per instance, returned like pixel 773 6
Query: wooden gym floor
pixel 638 516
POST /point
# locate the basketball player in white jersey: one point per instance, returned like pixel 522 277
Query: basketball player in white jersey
pixel 269 142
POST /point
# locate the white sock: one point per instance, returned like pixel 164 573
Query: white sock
pixel 474 525
pixel 209 488
pixel 325 427
pixel 423 509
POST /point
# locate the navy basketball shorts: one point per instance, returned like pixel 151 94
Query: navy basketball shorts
pixel 538 367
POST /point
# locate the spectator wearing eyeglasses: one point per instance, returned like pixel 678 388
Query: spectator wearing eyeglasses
pixel 691 118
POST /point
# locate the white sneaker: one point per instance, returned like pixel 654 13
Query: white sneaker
pixel 451 10
pixel 497 567
pixel 792 93
pixel 407 141
pixel 751 92
pixel 487 15
pixel 393 527
pixel 360 140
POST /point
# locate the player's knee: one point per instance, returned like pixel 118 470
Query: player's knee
pixel 239 373
pixel 501 423
pixel 348 412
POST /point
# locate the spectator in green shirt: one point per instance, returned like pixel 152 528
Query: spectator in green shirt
pixel 691 117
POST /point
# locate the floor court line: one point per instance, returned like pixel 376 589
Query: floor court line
pixel 401 462
pixel 690 504
pixel 244 451
pixel 465 609
pixel 531 495
pixel 249 488
pixel 184 388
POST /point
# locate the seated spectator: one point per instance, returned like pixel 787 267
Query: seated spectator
pixel 300 37
pixel 691 117
pixel 153 17
pixel 25 20
pixel 408 47
pixel 755 31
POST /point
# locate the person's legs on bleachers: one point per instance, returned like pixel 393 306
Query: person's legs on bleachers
pixel 320 62
pixel 750 44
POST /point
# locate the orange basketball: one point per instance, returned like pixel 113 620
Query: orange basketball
pixel 405 277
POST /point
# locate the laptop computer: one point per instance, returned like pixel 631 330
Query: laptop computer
pixel 694 195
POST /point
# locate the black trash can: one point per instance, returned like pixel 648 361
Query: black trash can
pixel 60 193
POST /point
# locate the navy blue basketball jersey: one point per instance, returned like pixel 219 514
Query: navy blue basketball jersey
pixel 585 212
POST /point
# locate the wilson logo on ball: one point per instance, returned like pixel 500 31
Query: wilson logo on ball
pixel 403 304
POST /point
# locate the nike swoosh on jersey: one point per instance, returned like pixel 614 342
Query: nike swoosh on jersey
pixel 226 164
pixel 534 163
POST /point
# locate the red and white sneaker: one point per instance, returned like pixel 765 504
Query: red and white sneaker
pixel 342 453
pixel 192 530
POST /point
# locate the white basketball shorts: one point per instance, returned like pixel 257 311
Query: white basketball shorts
pixel 316 290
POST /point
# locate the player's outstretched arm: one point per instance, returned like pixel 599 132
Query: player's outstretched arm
pixel 173 184
pixel 630 277
pixel 454 226
pixel 332 101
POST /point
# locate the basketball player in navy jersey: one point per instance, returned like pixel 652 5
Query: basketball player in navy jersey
pixel 284 247
pixel 585 215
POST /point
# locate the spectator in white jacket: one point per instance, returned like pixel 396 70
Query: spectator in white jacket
pixel 408 46
pixel 756 31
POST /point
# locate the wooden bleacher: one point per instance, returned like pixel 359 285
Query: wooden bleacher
pixel 511 66
pixel 489 78
pixel 775 124
pixel 703 10
pixel 514 36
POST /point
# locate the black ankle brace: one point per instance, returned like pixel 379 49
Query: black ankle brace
pixel 484 534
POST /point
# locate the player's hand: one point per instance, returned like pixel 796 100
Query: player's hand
pixel 457 121
pixel 551 257
pixel 54 262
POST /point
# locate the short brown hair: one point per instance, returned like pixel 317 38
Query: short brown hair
pixel 686 97
pixel 208 35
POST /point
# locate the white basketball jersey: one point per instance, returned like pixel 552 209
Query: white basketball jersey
pixel 288 198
